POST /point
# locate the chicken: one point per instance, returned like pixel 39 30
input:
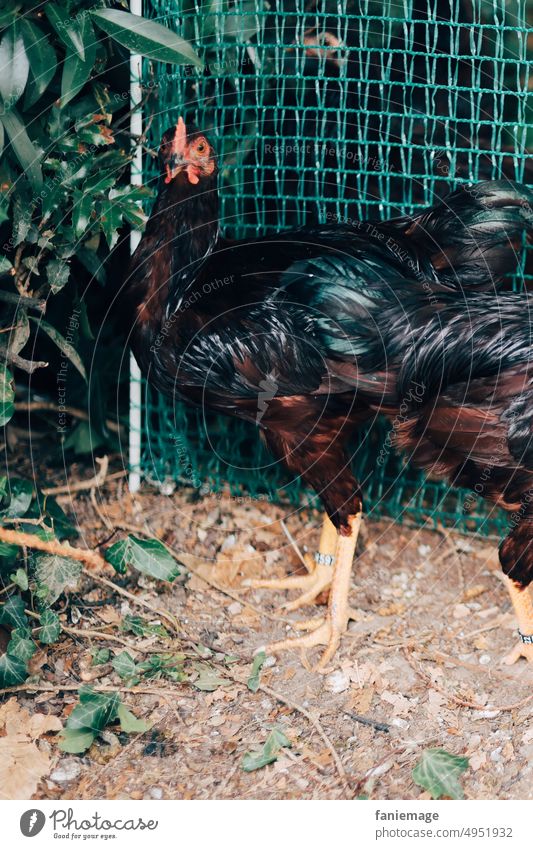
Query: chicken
pixel 313 332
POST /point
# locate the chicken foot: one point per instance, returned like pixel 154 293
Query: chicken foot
pixel 320 571
pixel 523 607
pixel 329 631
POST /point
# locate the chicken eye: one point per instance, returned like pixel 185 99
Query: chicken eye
pixel 200 147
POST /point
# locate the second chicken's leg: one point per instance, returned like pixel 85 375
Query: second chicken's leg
pixel 320 570
pixel 523 607
pixel 328 632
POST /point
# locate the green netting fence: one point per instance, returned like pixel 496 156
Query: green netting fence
pixel 332 110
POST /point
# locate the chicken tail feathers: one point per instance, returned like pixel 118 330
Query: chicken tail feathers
pixel 475 235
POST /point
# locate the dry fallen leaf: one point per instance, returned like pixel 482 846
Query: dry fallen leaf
pixel 22 764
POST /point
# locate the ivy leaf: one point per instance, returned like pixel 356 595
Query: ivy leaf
pixel 43 60
pixel 208 678
pixel 149 556
pixel 50 627
pixel 438 772
pixel 12 613
pixel 255 677
pixel 129 723
pixel 57 574
pixel 12 671
pixel 21 644
pixel 15 66
pixel 146 37
pixel 65 347
pixel 275 741
pixel 100 656
pixel 7 395
pixel 20 494
pixel 76 741
pixel 20 578
pixel 93 712
pixel 124 665
pixel 57 274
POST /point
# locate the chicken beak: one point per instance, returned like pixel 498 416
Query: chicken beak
pixel 177 155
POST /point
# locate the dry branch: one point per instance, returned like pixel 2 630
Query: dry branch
pixel 63 549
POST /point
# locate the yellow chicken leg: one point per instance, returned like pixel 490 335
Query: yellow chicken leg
pixel 523 606
pixel 319 568
pixel 328 632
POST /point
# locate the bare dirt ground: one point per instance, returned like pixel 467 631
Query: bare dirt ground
pixel 422 666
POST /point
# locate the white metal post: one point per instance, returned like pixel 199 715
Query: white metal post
pixel 136 178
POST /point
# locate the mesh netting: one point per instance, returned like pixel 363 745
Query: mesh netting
pixel 332 110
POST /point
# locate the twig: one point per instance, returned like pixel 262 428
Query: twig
pixel 162 614
pixel 100 688
pixel 293 543
pixel 313 720
pixel 316 725
pixel 366 720
pixel 464 702
pixel 23 300
pixel 48 406
pixel 82 555
pixel 97 480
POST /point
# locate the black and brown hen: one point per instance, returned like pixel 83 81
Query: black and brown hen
pixel 311 333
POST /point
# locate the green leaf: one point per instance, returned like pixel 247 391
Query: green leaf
pixel 12 613
pixel 66 348
pixel 57 274
pixel 438 772
pixel 20 494
pixel 20 334
pixel 100 656
pixel 20 578
pixel 255 678
pixel 275 741
pixel 83 439
pixel 23 148
pixel 7 395
pixel 130 724
pixel 149 556
pixel 43 60
pixel 141 628
pixel 21 644
pixel 146 37
pixel 77 70
pixel 67 27
pixel 12 671
pixel 50 627
pixel 5 265
pixel 124 665
pixel 93 712
pixel 110 220
pixel 14 66
pixel 208 678
pixel 82 206
pixel 8 554
pixel 76 741
pixel 57 574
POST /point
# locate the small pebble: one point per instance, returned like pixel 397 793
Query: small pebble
pixel 68 770
pixel 484 659
pixel 337 682
pixel 155 793
pixel 234 609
